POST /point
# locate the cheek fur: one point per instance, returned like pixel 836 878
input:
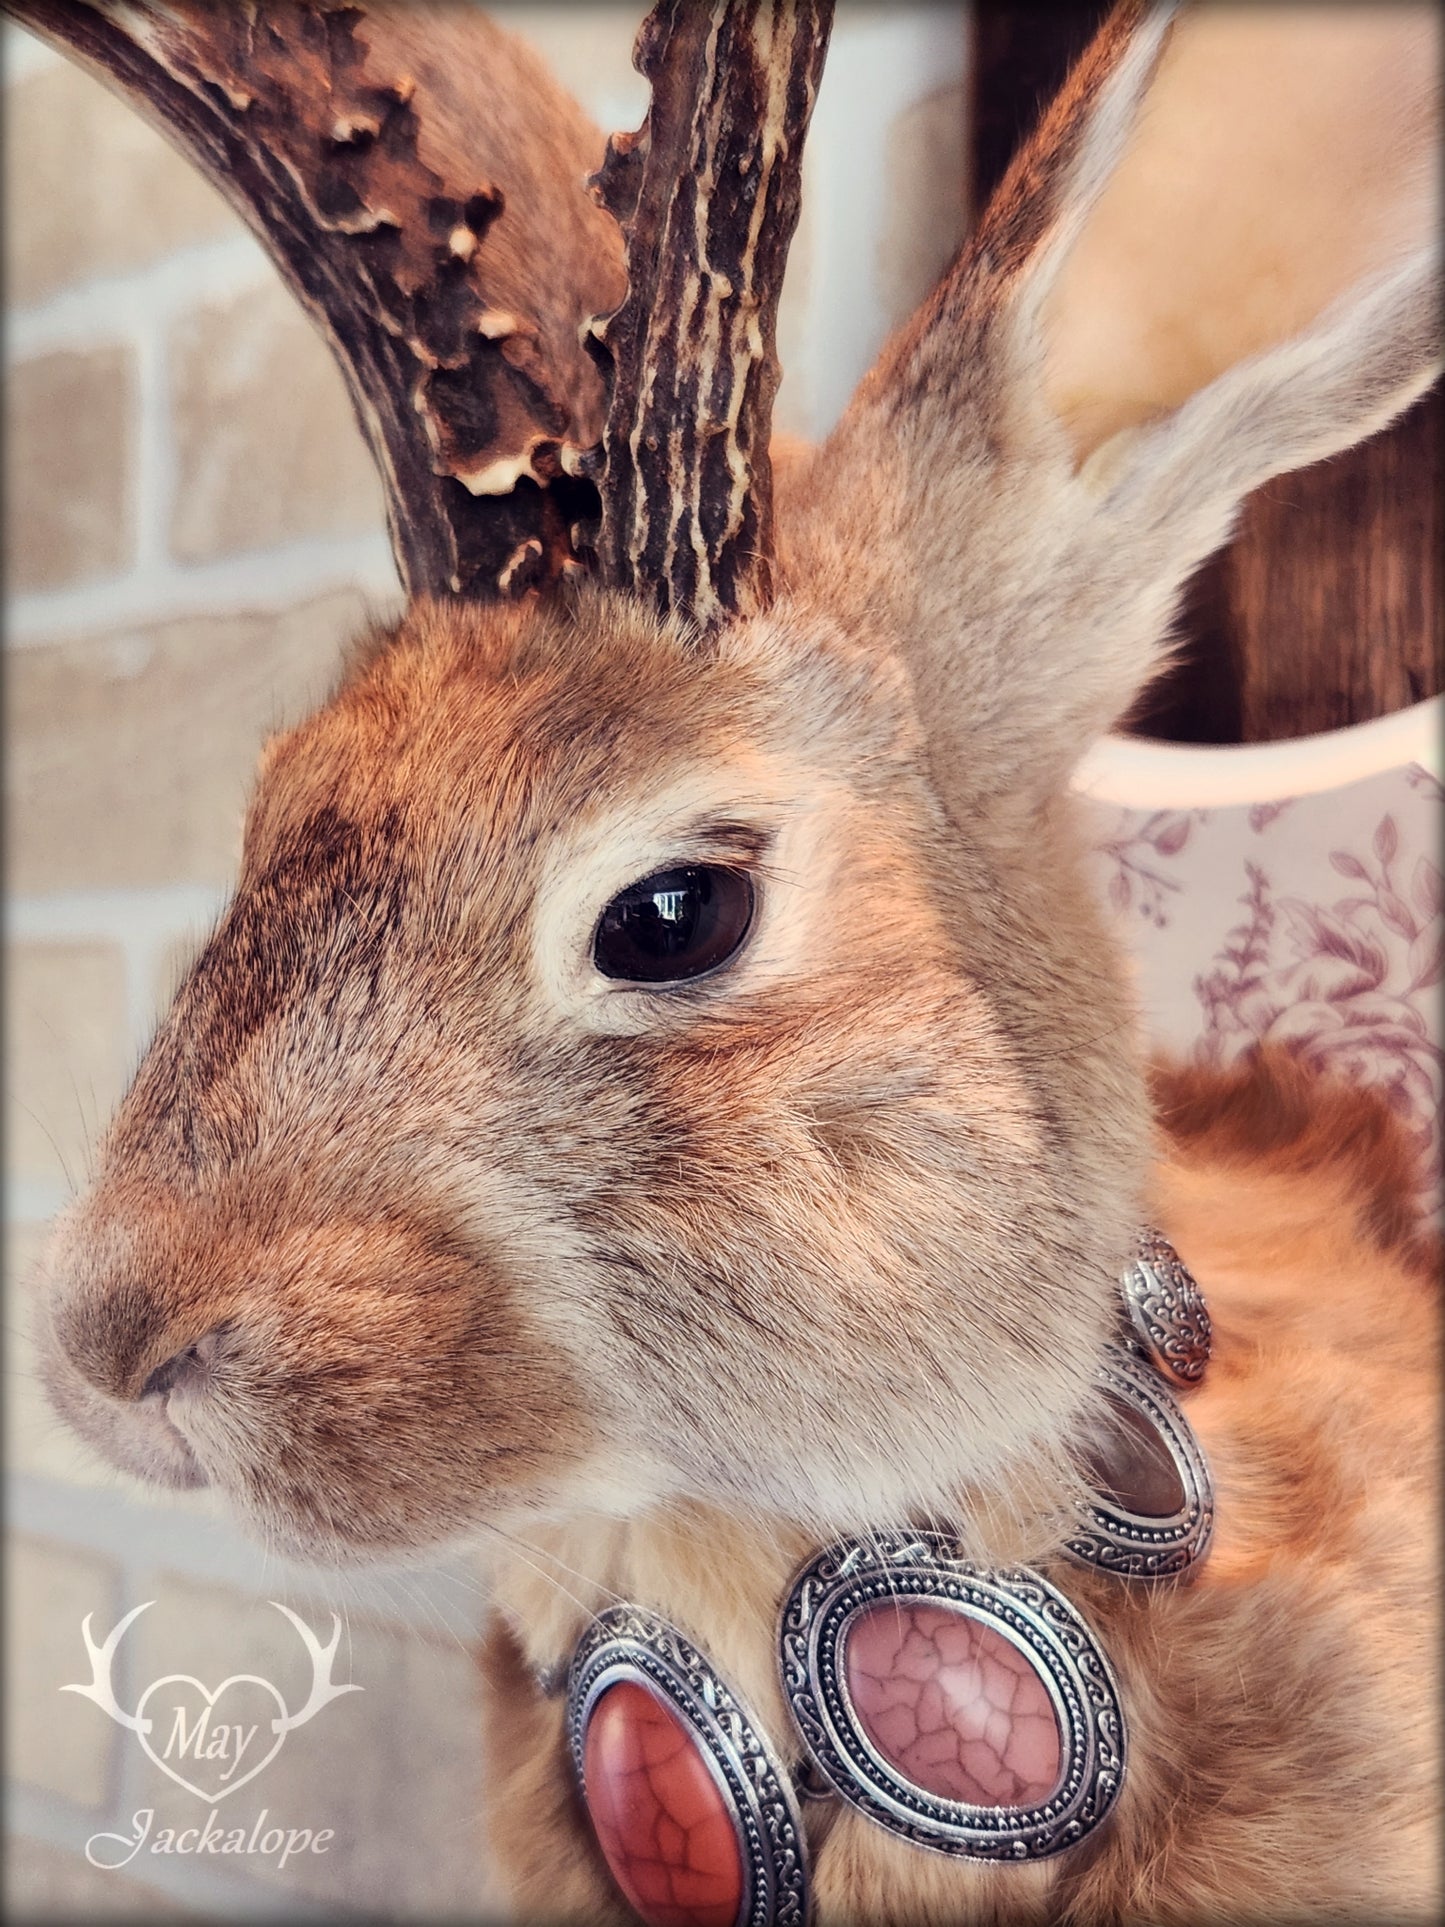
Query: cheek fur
pixel 821 1282
pixel 402 1395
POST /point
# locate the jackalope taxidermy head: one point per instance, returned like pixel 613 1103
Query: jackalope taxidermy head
pixel 662 1047
pixel 661 1043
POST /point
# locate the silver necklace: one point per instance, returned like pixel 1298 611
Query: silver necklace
pixel 970 1710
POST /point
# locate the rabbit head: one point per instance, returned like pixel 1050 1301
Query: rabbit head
pixel 461 1222
pixel 638 1064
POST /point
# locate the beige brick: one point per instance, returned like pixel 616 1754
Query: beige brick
pixel 35 1439
pixel 393 1770
pixel 69 431
pixel 131 755
pixel 927 173
pixel 91 188
pixel 267 448
pixel 67 1054
pixel 56 1740
pixel 42 1883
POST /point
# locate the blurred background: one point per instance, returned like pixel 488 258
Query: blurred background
pixel 193 528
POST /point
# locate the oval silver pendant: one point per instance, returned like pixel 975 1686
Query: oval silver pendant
pixel 1168 1317
pixel 968 1710
pixel 1153 1513
pixel 691 1809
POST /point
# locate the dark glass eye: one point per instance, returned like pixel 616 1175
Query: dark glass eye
pixel 674 925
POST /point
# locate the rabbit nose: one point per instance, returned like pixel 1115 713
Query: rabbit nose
pixel 189 1367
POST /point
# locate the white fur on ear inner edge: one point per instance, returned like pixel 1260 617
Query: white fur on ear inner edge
pixel 1139 774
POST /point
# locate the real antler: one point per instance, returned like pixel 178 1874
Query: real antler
pixel 707 193
pixel 420 181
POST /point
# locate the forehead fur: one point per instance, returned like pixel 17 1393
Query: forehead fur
pixel 526 717
pixel 453 821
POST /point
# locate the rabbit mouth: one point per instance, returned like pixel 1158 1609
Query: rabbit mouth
pixel 165 1438
pixel 142 1438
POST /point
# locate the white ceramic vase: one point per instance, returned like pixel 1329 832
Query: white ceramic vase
pixel 1288 892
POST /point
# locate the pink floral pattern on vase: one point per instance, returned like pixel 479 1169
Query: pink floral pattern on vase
pixel 1314 922
pixel 1138 878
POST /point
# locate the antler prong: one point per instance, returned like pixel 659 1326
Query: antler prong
pixel 389 157
pixel 707 193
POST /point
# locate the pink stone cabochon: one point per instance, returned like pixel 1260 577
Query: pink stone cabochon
pixel 1313 922
pixel 661 1820
pixel 952 1705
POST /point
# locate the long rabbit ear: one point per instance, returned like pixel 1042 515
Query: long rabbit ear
pixel 1217 260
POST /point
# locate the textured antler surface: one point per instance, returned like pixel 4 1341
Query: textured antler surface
pixel 707 193
pixel 420 180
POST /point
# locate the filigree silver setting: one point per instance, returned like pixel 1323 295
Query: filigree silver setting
pixel 1168 1318
pixel 627 1643
pixel 839 1585
pixel 1130 1544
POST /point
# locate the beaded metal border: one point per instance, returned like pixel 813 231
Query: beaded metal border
pixel 626 1643
pixel 1129 1544
pixel 1019 1605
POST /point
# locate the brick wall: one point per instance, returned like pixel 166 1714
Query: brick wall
pixel 192 527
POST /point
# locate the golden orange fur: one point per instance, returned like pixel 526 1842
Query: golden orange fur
pixel 1283 1704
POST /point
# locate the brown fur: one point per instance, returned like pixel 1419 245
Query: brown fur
pixel 366 1042
pixel 1282 1706
pixel 659 1289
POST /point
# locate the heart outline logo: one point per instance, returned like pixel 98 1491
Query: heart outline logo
pixel 101 1690
pixel 145 1724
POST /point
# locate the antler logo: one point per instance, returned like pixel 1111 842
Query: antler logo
pixel 212 1747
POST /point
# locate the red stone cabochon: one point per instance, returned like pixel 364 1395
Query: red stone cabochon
pixel 660 1818
pixel 952 1705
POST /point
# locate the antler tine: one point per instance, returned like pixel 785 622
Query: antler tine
pixel 419 179
pixel 707 193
